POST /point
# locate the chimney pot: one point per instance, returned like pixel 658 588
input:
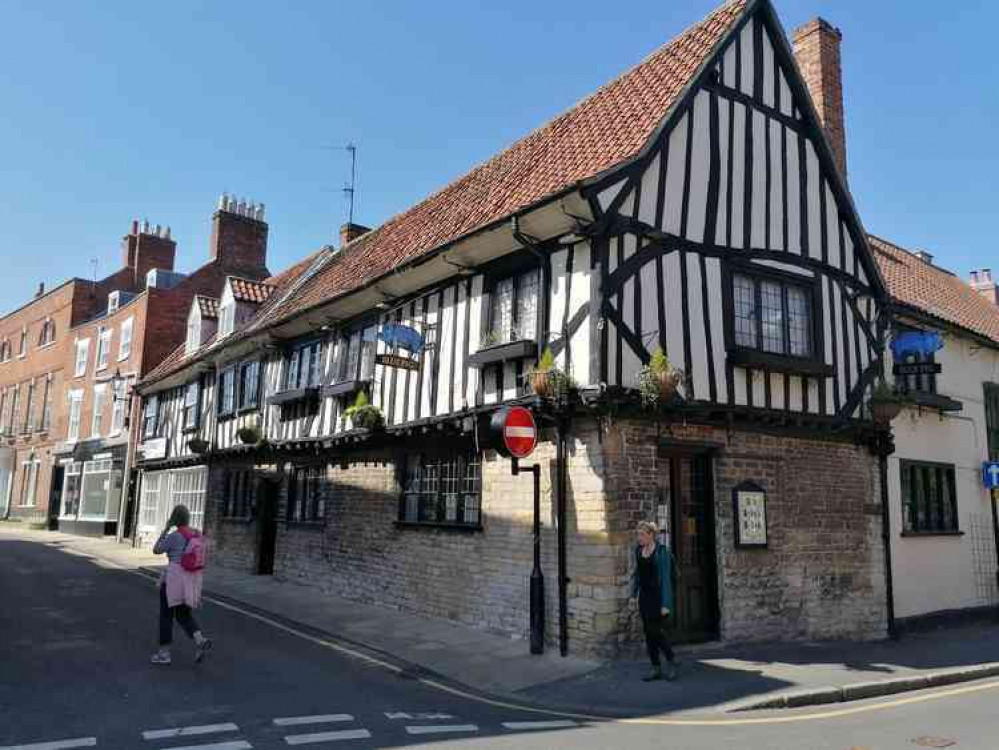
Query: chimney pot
pixel 983 283
pixel 223 201
pixel 145 226
pixel 817 50
pixel 41 289
pixel 135 226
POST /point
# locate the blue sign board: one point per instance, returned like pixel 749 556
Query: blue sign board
pixel 990 475
pixel 399 336
pixel 923 343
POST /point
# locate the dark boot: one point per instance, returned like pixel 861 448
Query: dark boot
pixel 655 674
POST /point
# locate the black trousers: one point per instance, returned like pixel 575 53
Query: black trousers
pixel 167 614
pixel 654 625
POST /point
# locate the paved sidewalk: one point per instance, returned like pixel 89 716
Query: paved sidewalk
pixel 712 678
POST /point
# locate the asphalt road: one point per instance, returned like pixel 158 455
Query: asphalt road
pixel 75 640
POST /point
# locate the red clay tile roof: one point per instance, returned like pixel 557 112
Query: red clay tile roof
pixel 247 290
pixel 209 306
pixel 603 130
pixel 279 284
pixel 919 285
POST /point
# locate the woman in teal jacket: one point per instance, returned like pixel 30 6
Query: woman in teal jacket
pixel 652 583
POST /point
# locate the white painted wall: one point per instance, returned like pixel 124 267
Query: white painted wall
pixel 948 572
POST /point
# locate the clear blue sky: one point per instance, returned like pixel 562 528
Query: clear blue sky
pixel 114 110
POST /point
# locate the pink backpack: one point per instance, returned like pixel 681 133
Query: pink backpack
pixel 195 555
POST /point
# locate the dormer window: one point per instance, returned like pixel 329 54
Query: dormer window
pixel 227 319
pixel 193 334
pixel 114 302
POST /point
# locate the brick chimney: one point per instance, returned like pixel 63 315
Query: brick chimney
pixel 239 234
pixel 816 47
pixel 982 282
pixel 147 247
pixel 350 232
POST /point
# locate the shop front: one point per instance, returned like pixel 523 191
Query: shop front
pixel 92 486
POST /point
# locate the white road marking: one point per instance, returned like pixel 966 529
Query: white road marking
pixel 234 745
pixel 293 721
pixel 539 724
pixel 442 728
pixel 349 734
pixel 57 745
pixel 422 716
pixel 160 734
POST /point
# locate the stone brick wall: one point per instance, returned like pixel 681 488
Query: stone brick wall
pixel 821 577
pixel 822 574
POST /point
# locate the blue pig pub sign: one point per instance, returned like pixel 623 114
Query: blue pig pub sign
pixel 917 347
pixel 400 338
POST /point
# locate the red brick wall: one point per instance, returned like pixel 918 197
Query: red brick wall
pixel 817 49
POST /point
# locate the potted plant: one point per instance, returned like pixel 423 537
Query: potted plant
pixel 886 403
pixel 363 414
pixel 197 445
pixel 659 380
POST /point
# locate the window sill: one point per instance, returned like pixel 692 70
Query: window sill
pixel 293 395
pixel 920 534
pixel 247 409
pixel 189 430
pixel 933 401
pixel 464 528
pixel 345 388
pixel 778 363
pixel 504 353
pixel 225 417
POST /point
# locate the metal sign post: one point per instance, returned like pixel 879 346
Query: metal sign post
pixel 537 602
pixel 514 433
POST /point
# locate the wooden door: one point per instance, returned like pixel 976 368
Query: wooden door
pixel 692 540
pixel 267 490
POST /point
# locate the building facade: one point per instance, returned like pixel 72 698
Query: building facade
pixel 692 206
pixel 943 520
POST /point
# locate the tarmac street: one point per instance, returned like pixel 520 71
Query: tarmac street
pixel 76 636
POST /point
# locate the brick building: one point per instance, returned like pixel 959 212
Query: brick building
pixel 67 401
pixel 695 205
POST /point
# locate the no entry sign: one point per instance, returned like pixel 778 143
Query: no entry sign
pixel 514 432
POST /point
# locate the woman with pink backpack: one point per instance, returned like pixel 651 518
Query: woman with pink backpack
pixel 180 584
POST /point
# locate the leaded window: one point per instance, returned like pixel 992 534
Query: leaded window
pixel 929 498
pixel 302 366
pixel 443 487
pixel 513 308
pixel 772 316
pixel 227 391
pixel 306 503
pixel 249 384
pixel 192 399
pixel 150 416
pixel 240 494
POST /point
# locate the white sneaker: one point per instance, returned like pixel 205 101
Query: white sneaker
pixel 160 657
pixel 201 649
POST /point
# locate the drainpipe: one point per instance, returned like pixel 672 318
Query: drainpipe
pixel 886 539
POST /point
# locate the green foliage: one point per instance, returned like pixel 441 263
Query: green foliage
pixel 659 380
pixel 659 361
pixel 547 361
pixel 363 414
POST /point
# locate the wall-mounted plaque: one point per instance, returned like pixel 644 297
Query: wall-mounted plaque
pixel 750 501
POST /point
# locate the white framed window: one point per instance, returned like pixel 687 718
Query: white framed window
pixel 46 421
pixel 5 350
pixel 150 416
pixel 119 397
pixel 189 487
pixel 227 319
pixel 75 413
pixel 513 308
pixel 192 402
pixel 155 497
pixel 71 485
pixel 227 391
pixel 47 335
pixel 103 348
pixel 29 407
pixel 29 481
pixel 125 340
pixel 193 333
pixel 22 352
pixel 98 499
pixel 82 353
pixel 100 404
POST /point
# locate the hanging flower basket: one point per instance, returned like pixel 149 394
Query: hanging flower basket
pixel 548 381
pixel 197 445
pixel 249 435
pixel 886 403
pixel 659 381
pixel 364 415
